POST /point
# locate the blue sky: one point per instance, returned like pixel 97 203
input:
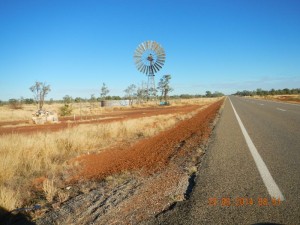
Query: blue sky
pixel 75 45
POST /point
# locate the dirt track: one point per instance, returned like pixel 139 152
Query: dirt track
pixel 8 127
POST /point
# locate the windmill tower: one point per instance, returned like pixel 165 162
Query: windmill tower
pixel 149 57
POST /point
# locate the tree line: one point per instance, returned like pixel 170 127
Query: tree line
pixel 132 92
pixel 261 92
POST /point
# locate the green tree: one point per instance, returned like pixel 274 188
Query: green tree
pixel 67 109
pixel 67 99
pixel 259 91
pixel 208 94
pixel 217 94
pixel 104 91
pixel 164 86
pixel 78 99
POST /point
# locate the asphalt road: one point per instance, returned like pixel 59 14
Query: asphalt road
pixel 235 186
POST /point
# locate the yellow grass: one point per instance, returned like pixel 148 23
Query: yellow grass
pixel 24 157
pixel 87 109
pixel 9 198
pixel 49 189
pixel 275 96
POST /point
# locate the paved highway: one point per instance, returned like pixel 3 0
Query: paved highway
pixel 250 173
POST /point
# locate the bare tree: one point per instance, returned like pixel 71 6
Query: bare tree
pixel 130 93
pixel 40 91
pixel 164 86
pixel 104 91
pixel 141 93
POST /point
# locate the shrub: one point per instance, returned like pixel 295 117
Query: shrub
pixel 65 110
pixel 15 104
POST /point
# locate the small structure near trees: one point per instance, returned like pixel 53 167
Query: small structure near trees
pixel 43 116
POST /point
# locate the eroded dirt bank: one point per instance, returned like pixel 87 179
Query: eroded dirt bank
pixel 130 185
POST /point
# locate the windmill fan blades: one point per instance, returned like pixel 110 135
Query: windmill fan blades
pixel 161 53
pixel 140 68
pixel 146 63
pixel 139 65
pixel 151 45
pixel 147 45
pixel 156 46
pixel 144 69
pixel 154 68
pixel 161 58
pixel 138 52
pixel 158 66
pixel 144 46
pixel 162 62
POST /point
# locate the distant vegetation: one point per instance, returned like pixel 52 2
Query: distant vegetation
pixel 262 92
pixel 15 103
pixel 208 94
pixel 137 93
pixel 140 94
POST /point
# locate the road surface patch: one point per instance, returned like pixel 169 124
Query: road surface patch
pixel 264 172
pixel 281 109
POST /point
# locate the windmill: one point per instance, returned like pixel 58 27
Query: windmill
pixel 149 57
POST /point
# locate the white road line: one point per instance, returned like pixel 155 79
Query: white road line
pixel 265 174
pixel 281 109
pixel 261 104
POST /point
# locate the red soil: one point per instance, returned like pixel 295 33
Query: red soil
pixel 152 154
pixel 118 115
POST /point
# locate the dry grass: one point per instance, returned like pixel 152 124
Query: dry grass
pixel 194 101
pixel 87 109
pixel 49 189
pixel 7 114
pixel 9 198
pixel 25 157
pixel 286 98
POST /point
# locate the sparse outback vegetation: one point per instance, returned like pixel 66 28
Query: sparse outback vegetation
pixel 29 156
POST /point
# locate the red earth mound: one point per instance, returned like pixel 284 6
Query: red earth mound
pixel 152 154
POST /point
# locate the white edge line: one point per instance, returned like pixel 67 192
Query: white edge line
pixel 265 174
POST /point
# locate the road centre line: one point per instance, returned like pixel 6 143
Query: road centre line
pixel 265 174
pixel 281 109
